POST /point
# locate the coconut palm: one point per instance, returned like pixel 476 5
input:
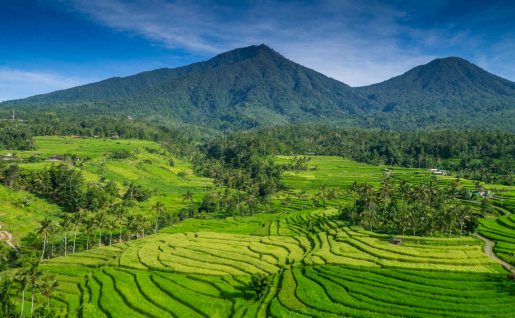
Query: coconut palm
pixel 119 211
pixel 354 190
pixel 89 226
pixel 76 220
pixel 129 224
pixel 159 209
pixel 65 225
pixel 111 224
pixel 100 221
pixel 45 228
pixel 188 196
pixel 286 203
pixel 302 196
pixel 23 279
pixel 48 285
pixel 33 276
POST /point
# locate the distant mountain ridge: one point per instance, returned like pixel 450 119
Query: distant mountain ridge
pixel 256 86
pixel 439 81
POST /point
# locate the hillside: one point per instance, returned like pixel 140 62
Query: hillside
pixel 148 165
pixel 256 86
pixel 316 262
pixel 318 265
pixel 243 88
pixel 446 90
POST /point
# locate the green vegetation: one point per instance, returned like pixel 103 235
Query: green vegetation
pixel 257 87
pixel 86 177
pixel 228 250
pixel 146 209
pixel 502 231
pixel 328 269
pixel 478 155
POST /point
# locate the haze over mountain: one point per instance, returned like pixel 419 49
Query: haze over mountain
pixel 256 86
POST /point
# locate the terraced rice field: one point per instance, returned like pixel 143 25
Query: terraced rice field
pixel 149 167
pixel 317 266
pixel 502 231
pixel 323 269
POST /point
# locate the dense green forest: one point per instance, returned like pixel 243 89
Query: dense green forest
pixel 256 87
pixel 480 155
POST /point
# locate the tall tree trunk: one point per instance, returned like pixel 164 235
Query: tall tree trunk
pixel 44 247
pixel 99 238
pixel 65 243
pixel 32 302
pixel 74 238
pixel 155 227
pixel 110 237
pixel 22 302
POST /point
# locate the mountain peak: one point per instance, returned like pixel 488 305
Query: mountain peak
pixel 444 84
pixel 244 53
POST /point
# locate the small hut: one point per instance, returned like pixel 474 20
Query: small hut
pixel 55 158
pixel 9 157
pixel 396 241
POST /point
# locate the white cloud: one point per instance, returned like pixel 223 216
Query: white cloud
pixel 15 83
pixel 350 41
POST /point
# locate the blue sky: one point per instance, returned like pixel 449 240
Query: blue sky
pixel 47 45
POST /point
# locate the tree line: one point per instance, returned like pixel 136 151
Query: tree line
pixel 480 155
pixel 416 209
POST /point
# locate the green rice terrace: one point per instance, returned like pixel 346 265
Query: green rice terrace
pixel 317 264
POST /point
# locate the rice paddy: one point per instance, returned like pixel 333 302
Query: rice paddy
pixel 317 265
pixel 324 271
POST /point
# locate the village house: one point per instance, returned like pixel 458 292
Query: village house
pixel 55 158
pixel 9 157
pixel 438 172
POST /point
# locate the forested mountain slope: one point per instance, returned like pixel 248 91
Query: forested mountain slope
pixel 243 88
pixel 256 86
pixel 446 91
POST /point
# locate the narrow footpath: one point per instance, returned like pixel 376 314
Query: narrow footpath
pixel 488 250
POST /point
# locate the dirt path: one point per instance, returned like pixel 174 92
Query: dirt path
pixel 7 237
pixel 488 250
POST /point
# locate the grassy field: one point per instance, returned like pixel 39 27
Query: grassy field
pixel 318 266
pixel 149 167
pixel 21 211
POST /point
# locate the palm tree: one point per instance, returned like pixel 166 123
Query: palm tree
pixel 111 225
pixel 119 211
pixel 141 223
pixel 89 225
pixel 48 285
pixel 65 227
pixel 33 275
pixel 100 221
pixel 159 209
pixel 188 196
pixel 354 190
pixel 77 219
pixel 23 279
pixel 129 223
pixel 302 196
pixel 404 189
pixel 463 215
pixel 45 228
pixel 286 202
